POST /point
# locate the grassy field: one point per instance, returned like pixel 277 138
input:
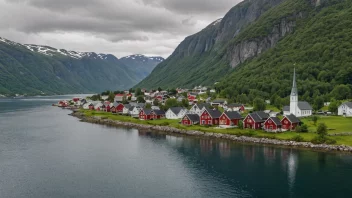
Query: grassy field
pixel 339 124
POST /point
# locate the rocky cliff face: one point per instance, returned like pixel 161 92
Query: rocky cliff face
pixel 243 50
pixel 223 30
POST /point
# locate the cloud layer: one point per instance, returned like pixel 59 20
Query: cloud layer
pixel 120 27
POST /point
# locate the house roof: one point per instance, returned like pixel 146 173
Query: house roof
pixel 303 105
pixel 127 106
pixel 119 95
pixel 159 112
pixel 255 117
pixel 233 115
pixel 214 113
pixel 201 105
pixel 348 104
pixel 147 111
pixel 193 117
pixel 219 101
pixel 234 105
pixel 276 120
pixel 262 115
pixel 131 108
pixel 286 108
pixel 292 118
pixel 176 110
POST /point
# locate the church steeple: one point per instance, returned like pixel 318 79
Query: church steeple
pixel 294 84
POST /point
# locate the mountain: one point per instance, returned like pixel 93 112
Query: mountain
pixel 252 50
pixel 142 65
pixel 34 69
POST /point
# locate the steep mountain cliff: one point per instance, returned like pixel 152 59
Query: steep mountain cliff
pixel 255 45
pixel 33 69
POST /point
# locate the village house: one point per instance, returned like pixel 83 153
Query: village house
pixel 235 107
pixel 136 110
pixel 176 113
pixel 230 119
pixel 272 124
pixel 219 103
pixel 97 106
pixel 125 110
pixel 297 108
pixel 191 97
pixel 198 108
pixel 159 114
pixel 345 109
pixel 190 119
pixel 210 116
pixel 255 120
pixel 146 114
pixel 86 105
pixel 290 122
pixel 119 107
pixel 119 97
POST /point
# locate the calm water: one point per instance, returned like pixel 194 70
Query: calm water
pixel 46 153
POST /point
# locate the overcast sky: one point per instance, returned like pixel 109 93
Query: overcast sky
pixel 119 27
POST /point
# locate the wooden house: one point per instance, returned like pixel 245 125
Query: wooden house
pixel 190 119
pixel 272 124
pixel 210 117
pixel 230 119
pixel 290 122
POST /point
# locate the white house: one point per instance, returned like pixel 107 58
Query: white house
pixel 198 108
pixel 176 113
pixel 86 105
pixel 135 111
pixel 297 108
pixel 345 109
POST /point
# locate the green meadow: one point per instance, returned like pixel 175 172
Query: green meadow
pixel 334 123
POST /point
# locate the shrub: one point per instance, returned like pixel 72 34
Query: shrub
pixel 298 138
pixel 164 124
pixel 323 139
pixel 304 128
pixel 322 129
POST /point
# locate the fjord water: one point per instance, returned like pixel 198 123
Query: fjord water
pixel 46 153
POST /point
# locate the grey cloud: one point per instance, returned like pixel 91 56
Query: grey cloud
pixel 154 25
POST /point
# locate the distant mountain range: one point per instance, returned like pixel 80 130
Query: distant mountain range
pixel 33 69
pixel 143 65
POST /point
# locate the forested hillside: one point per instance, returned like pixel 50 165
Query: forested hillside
pixel 313 36
pixel 33 70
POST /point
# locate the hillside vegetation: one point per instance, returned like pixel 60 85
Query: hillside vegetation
pixel 313 36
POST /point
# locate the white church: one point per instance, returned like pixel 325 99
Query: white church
pixel 297 108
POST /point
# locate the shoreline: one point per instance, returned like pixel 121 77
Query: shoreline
pixel 235 138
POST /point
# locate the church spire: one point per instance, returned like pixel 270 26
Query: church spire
pixel 294 84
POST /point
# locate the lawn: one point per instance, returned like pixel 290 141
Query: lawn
pixel 335 124
pixel 339 124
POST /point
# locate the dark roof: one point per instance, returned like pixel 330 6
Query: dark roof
pixel 276 120
pixel 292 118
pixel 201 105
pixel 303 105
pixel 219 101
pixel 286 108
pixel 233 115
pixel 147 111
pixel 159 112
pixel 348 104
pixel 176 110
pixel 214 113
pixel 262 115
pixel 234 105
pixel 193 117
pixel 131 108
pixel 127 106
pixel 255 117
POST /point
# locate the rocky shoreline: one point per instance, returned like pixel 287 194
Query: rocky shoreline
pixel 244 139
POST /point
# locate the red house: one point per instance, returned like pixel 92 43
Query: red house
pixel 91 106
pixel 272 124
pixel 290 122
pixel 210 117
pixel 230 119
pixel 252 121
pixel 108 108
pixel 146 114
pixel 119 108
pixel 113 109
pixel 191 97
pixel 190 119
pixel 158 114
